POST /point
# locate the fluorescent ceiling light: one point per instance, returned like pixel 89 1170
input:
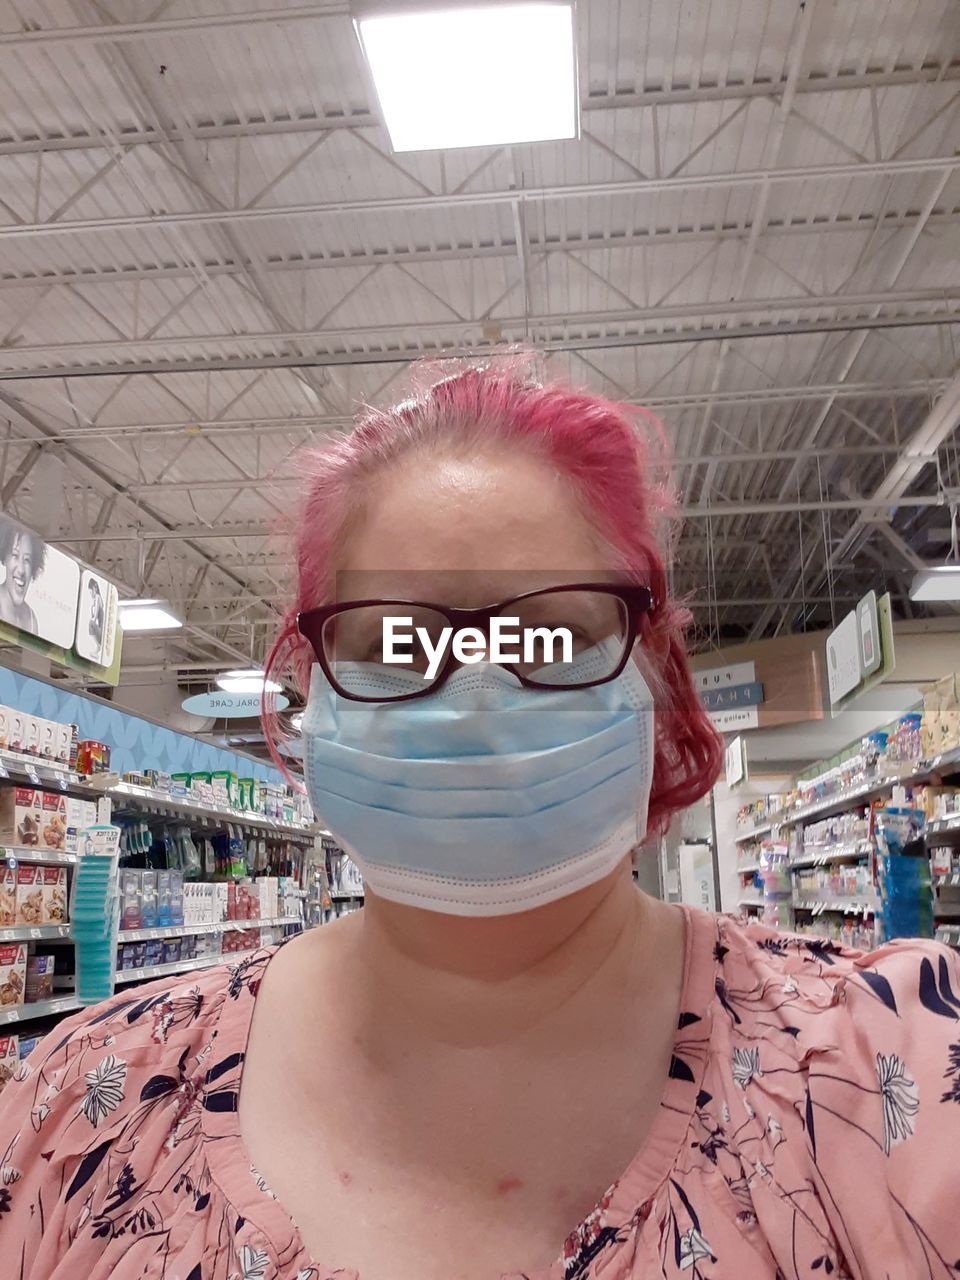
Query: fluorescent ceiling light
pixel 147 615
pixel 942 582
pixel 248 681
pixel 476 76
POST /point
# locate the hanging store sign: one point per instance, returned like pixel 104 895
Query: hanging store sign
pixel 860 652
pixel 733 695
pixel 730 695
pixel 735 762
pixel 229 706
pixel 49 603
pixel 712 678
pixel 736 719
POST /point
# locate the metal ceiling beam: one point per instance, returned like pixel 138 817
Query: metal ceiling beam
pixel 405 353
pixel 892 273
pixel 733 457
pixel 525 325
pixel 940 424
pixel 309 423
pixel 32 428
pixel 717 511
pixel 471 199
pixel 574 243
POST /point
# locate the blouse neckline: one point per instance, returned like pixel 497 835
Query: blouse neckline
pixel 232 1170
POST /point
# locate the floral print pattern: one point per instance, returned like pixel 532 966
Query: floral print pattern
pixel 808 1128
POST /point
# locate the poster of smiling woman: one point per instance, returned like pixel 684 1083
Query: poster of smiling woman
pixel 39 586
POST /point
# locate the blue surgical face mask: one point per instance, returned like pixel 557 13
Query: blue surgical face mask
pixel 484 798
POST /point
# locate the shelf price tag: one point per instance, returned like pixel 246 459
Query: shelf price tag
pixel 36 933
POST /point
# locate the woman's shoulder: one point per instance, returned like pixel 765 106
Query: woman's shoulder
pixel 836 1071
pixel 141 1043
pixel 898 983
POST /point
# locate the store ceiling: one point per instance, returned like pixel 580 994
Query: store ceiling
pixel 208 257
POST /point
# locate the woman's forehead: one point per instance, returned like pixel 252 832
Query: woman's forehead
pixel 483 516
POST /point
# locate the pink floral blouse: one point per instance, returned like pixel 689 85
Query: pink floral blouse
pixel 810 1127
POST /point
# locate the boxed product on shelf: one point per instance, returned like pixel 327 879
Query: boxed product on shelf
pixel 269 897
pixel 9 1059
pixel 13 973
pixel 92 757
pixel 29 894
pixel 240 940
pixel 78 814
pixel 171 950
pixel 130 915
pixel 207 944
pixel 8 895
pixel 27 1045
pixel 54 902
pixel 225 789
pixel 32 818
pixel 39 982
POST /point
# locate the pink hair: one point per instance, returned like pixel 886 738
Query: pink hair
pixel 600 450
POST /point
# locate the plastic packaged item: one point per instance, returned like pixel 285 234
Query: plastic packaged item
pixel 130 896
pixel 148 900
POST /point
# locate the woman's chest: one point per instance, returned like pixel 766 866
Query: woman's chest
pixel 449 1175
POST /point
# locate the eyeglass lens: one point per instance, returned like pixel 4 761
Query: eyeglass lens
pixel 596 621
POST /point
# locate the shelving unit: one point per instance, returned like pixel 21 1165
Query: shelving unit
pixel 824 854
pixel 856 904
pixel 128 798
pixel 154 933
pixel 181 966
pixel 49 857
pixel 810 903
pixel 841 800
pixel 39 1009
pixel 35 933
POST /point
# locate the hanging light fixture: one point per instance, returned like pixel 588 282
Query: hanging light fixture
pixel 941 583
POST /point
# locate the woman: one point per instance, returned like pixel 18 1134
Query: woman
pixel 511 1063
pixel 23 555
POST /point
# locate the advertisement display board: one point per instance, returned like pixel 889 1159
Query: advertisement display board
pixel 51 604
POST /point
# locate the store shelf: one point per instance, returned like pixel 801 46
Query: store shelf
pixel 142 799
pixel 946 910
pixel 39 773
pixel 951 879
pixel 949 826
pixel 51 857
pixel 818 903
pixel 750 901
pixel 865 791
pixel 182 966
pixel 744 867
pixel 39 1009
pixel 950 934
pixel 819 855
pixel 755 833
pixel 347 897
pixel 34 933
pixel 195 930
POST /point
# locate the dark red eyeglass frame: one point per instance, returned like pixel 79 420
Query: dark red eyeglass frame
pixel 637 599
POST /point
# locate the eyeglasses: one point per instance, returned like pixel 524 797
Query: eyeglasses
pixel 600 617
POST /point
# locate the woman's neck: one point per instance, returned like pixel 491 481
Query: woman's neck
pixel 416 975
